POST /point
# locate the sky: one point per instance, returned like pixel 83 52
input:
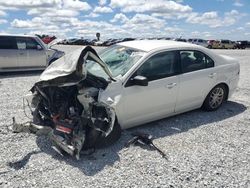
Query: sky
pixel 207 19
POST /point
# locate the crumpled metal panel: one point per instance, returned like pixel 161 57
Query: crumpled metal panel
pixel 70 69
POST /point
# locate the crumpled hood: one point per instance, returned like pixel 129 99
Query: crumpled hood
pixel 70 69
pixel 62 67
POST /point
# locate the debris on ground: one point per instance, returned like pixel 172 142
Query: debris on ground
pixel 28 127
pixel 145 139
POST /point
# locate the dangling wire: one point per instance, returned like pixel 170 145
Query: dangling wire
pixel 25 110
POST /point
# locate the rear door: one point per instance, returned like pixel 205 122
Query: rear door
pixel 30 55
pixel 8 52
pixel 197 79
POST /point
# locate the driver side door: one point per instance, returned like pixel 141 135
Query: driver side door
pixel 143 104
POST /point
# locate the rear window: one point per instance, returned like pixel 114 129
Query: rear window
pixel 7 42
pixel 194 60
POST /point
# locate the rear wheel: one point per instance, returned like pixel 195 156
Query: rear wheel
pixel 215 98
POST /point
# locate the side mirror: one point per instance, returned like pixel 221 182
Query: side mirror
pixel 140 81
pixel 38 47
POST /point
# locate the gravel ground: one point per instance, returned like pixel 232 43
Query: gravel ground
pixel 203 149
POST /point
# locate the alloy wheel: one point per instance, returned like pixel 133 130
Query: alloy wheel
pixel 216 97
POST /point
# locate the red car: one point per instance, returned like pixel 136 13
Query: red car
pixel 48 39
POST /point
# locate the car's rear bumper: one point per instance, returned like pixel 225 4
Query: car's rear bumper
pixel 233 84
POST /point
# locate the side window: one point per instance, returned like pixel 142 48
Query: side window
pixel 26 43
pixel 209 62
pixel 21 43
pixel 31 43
pixel 194 60
pixel 159 66
pixel 225 41
pixel 7 42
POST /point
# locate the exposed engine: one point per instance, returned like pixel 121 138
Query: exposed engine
pixel 74 114
pixel 66 99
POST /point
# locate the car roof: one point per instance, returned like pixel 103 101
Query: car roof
pixel 16 35
pixel 149 45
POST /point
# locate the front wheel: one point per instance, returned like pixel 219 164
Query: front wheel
pixel 215 98
pixel 111 138
pixel 94 138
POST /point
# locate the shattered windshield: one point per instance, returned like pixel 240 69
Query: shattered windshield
pixel 119 59
pixel 94 68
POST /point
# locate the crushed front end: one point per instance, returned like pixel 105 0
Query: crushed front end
pixel 66 100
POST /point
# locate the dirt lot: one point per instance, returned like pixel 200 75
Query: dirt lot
pixel 203 149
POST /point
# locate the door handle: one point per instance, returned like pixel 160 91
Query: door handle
pixel 170 86
pixel 21 53
pixel 212 75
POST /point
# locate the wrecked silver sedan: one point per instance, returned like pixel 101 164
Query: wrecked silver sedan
pixel 66 99
pixel 87 99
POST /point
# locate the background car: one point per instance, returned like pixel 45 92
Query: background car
pixel 226 44
pixel 200 42
pixel 241 44
pixel 210 43
pixel 221 44
pixel 23 52
pixel 180 40
pixel 48 39
pixel 214 44
pixel 109 42
pixel 71 41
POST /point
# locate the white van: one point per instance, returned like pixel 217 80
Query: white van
pixel 23 52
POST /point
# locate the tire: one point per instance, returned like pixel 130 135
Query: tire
pixel 111 138
pixel 95 139
pixel 215 98
pixel 92 136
